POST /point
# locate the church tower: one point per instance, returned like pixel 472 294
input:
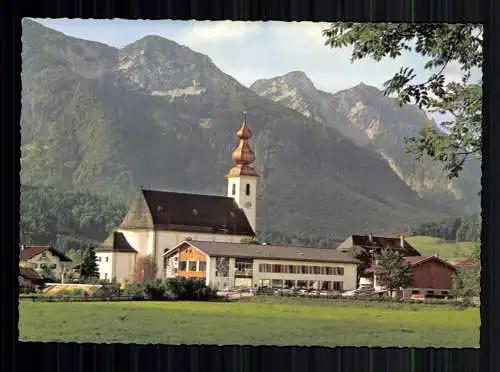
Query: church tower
pixel 242 178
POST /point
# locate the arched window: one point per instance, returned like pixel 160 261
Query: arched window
pixel 234 189
pixel 248 189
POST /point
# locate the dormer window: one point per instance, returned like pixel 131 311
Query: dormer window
pixel 247 191
pixel 233 191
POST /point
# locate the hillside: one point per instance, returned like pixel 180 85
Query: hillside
pixel 449 250
pixel 102 120
pixel 372 121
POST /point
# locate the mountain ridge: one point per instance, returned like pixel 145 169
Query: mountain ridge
pixel 168 121
pixel 369 118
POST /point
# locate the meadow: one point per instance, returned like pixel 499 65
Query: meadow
pixel 448 250
pixel 256 322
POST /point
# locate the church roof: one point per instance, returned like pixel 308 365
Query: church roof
pixel 165 210
pixel 116 242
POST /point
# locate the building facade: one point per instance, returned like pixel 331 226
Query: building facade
pixel 432 277
pixel 243 265
pixel 45 260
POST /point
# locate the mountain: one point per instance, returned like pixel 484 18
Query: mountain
pixel 104 120
pixel 371 120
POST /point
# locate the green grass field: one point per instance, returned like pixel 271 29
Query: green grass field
pixel 451 251
pixel 257 322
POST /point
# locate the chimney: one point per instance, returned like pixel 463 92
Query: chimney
pixel 370 237
pixel 22 247
pixel 402 241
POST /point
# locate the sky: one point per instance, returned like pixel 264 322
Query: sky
pixel 254 50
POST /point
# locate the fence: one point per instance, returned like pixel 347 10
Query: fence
pixel 361 300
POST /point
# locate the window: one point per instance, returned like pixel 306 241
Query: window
pixel 99 259
pixel 337 286
pixel 265 268
pixel 444 292
pixel 415 292
pixel 35 266
pixel 182 265
pixel 175 271
pixel 105 275
pixel 43 266
pixel 430 292
pixel 176 258
pixel 304 270
pixel 203 266
pixel 233 191
pixel 44 254
pixel 316 270
pixel 192 265
pixel 247 190
pixel 107 259
pixel 276 268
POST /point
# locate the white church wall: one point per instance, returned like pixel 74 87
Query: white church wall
pixel 124 265
pixel 242 199
pixel 141 240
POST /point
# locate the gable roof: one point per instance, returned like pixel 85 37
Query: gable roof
pixel 116 242
pixel 29 251
pixel 414 261
pixel 377 242
pixel 29 273
pixel 165 210
pixel 291 253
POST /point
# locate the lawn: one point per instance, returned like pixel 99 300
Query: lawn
pixel 448 250
pixel 287 322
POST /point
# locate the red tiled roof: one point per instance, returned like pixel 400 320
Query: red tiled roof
pixel 30 251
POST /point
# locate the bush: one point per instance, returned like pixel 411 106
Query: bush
pixel 189 289
pixel 136 291
pixel 155 290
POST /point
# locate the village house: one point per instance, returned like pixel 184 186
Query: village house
pixel 234 265
pixel 432 277
pixel 45 260
pixel 29 279
pixel 166 225
pixel 374 244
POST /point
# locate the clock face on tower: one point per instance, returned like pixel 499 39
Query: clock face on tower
pixel 248 204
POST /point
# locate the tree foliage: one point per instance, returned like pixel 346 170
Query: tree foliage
pixel 66 220
pixel 391 270
pixel 442 45
pixel 460 229
pixel 89 269
pixel 362 255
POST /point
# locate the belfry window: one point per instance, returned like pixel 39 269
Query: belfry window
pixel 234 189
pixel 247 191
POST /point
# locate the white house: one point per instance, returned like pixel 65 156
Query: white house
pixel 228 265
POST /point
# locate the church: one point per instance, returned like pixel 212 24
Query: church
pixel 207 237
